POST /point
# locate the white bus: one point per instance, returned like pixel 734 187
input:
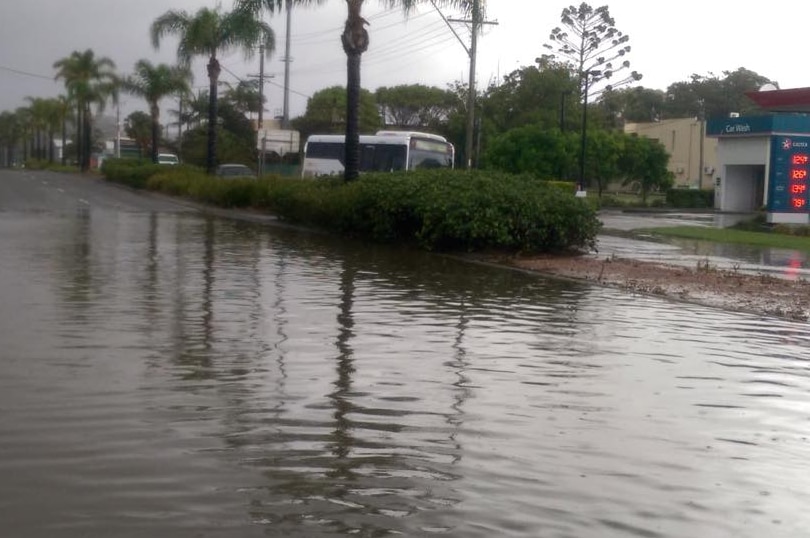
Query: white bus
pixel 385 151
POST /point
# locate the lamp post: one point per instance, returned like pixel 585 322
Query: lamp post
pixel 581 186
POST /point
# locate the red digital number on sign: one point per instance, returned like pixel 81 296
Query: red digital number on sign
pixel 800 159
pixel 798 174
pixel 797 188
pixel 798 203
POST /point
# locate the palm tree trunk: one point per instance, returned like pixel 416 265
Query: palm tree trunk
pixel 352 157
pixel 355 43
pixel 154 112
pixel 213 78
pixel 79 141
pixel 88 127
pixel 64 140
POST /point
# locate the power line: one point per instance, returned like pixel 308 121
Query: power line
pixel 25 73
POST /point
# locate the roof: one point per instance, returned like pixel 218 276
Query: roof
pixel 792 100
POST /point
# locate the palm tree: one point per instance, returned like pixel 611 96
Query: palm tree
pixel 64 106
pixel 355 42
pixel 10 136
pixel 37 120
pixel 207 33
pixel 153 83
pixel 89 80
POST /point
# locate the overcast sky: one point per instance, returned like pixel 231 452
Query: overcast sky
pixel 669 42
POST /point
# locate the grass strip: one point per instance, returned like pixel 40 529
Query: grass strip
pixel 729 235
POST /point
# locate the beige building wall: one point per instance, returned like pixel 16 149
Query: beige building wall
pixel 682 139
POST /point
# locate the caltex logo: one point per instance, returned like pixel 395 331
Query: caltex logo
pixel 787 143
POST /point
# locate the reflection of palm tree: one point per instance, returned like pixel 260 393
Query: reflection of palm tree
pixel 462 392
pixel 197 362
pixel 342 439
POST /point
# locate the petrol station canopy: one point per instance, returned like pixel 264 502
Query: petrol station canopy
pixel 794 100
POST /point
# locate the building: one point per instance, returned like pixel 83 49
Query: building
pixel 764 161
pixel 693 156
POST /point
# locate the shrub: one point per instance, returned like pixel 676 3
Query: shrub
pixel 436 209
pixel 448 210
pixel 690 198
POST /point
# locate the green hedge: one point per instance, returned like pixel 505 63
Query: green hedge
pixel 690 198
pixel 437 209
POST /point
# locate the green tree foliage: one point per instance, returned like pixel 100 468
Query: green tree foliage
pixel 415 106
pixel 602 157
pixel 138 127
pixel 611 156
pixel 714 96
pixel 237 139
pixel 326 113
pixel 643 163
pixel 153 83
pixel 89 81
pixel 544 153
pixel 245 97
pixel 535 95
pixel 590 40
pixel 11 132
pixel 208 33
pixel 636 104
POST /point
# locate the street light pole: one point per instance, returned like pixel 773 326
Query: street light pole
pixel 583 138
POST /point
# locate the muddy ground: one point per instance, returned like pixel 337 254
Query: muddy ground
pixel 760 294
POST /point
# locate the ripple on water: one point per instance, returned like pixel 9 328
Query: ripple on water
pixel 175 375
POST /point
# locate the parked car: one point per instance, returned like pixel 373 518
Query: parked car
pixel 235 171
pixel 168 158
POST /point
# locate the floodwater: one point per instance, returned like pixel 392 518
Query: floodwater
pixel 782 263
pixel 172 375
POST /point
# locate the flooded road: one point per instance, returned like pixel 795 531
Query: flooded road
pixel 167 374
pixel 754 260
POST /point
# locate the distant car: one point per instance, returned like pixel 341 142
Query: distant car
pixel 168 158
pixel 235 171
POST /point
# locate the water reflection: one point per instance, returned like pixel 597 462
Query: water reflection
pixel 175 375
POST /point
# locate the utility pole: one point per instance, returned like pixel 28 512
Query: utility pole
pixel 702 120
pixel 476 22
pixel 260 125
pixel 285 118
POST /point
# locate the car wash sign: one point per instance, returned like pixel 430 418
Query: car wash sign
pixel 790 168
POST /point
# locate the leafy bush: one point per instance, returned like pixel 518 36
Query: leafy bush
pixel 436 209
pixel 129 172
pixel 690 198
pixel 447 210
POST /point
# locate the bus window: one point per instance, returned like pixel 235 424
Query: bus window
pixel 326 150
pixel 367 154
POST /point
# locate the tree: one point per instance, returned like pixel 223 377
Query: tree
pixel 10 137
pixel 235 135
pixel 88 80
pixel 714 96
pixel 414 106
pixel 590 40
pixel 326 112
pixel 209 33
pixel 355 41
pixel 138 127
pixel 540 94
pixel 643 162
pixel 153 83
pixel 633 104
pixel 544 153
pixel 245 97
